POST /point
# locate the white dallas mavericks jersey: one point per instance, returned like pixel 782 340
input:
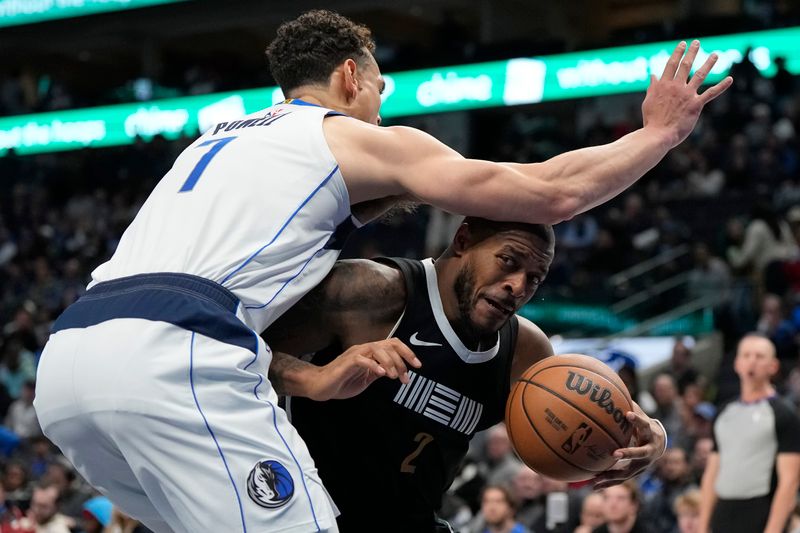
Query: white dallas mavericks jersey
pixel 252 205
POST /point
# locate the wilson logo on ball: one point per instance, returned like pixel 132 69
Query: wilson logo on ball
pixel 598 395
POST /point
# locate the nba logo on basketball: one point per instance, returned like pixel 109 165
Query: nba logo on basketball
pixel 577 438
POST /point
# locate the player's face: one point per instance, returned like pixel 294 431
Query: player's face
pixel 755 360
pixel 367 104
pixel 500 275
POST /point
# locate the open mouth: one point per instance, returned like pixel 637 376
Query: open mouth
pixel 505 309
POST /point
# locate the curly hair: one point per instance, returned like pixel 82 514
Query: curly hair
pixel 307 49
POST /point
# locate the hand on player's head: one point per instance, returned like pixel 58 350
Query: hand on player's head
pixel 672 103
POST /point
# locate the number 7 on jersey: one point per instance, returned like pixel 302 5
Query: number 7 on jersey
pixel 201 165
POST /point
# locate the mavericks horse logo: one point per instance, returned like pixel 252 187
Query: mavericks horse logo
pixel 269 484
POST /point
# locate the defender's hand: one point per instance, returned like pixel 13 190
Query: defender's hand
pixel 672 104
pixel 649 443
pixel 352 372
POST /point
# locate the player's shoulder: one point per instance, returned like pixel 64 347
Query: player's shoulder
pixel 363 282
pixel 530 335
pixel 532 346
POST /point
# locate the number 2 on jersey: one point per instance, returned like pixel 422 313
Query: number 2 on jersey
pixel 424 439
pixel 201 165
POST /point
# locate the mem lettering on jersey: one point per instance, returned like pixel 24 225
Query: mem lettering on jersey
pixel 439 403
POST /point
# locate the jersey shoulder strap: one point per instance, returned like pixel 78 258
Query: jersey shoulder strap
pixel 413 272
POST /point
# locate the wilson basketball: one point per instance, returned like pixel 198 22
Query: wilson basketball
pixel 566 417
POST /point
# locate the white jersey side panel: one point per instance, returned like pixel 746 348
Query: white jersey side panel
pixel 250 205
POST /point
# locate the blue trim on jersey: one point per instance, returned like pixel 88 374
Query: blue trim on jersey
pixel 288 281
pixel 288 220
pixel 189 302
pixel 211 432
pixel 275 423
pixel 302 474
pixel 297 101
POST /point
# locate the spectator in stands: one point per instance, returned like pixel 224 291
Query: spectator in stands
pixel 774 324
pixel 528 492
pixel 687 509
pixel 73 493
pixel 592 515
pixel 122 523
pixel 680 365
pixel 96 514
pixel 702 424
pixel 44 511
pixel 767 240
pixel 12 519
pixel 498 510
pixel 737 486
pixel 18 366
pixel 16 484
pixel 621 510
pixel 709 277
pixel 668 406
pixel 39 455
pixel 503 464
pixel 629 376
pixel 674 474
pixel 21 418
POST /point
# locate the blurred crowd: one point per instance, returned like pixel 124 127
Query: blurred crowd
pixel 730 195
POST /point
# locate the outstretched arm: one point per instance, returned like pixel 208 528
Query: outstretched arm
pixel 378 162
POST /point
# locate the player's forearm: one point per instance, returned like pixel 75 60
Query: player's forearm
pixel 588 177
pixel 291 376
pixel 783 502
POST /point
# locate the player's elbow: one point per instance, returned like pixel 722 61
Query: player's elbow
pixel 562 206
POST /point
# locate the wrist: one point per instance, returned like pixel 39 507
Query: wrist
pixel 664 431
pixel 310 383
pixel 665 138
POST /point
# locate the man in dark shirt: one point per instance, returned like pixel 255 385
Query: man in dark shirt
pixel 389 454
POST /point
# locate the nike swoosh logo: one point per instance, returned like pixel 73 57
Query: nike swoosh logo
pixel 416 342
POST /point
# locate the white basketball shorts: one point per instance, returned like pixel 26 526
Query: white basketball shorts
pixel 155 391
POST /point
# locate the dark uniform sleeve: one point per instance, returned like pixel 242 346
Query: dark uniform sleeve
pixel 787 427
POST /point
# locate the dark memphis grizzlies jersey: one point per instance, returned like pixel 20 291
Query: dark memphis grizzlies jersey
pixel 389 454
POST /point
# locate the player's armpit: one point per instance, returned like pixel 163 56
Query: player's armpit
pixel 532 346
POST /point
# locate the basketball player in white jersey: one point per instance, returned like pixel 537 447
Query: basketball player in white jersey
pixel 153 383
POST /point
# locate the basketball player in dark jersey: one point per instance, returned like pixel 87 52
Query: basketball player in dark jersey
pixel 388 454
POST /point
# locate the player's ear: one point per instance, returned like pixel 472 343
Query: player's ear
pixel 350 79
pixel 461 240
pixel 775 367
